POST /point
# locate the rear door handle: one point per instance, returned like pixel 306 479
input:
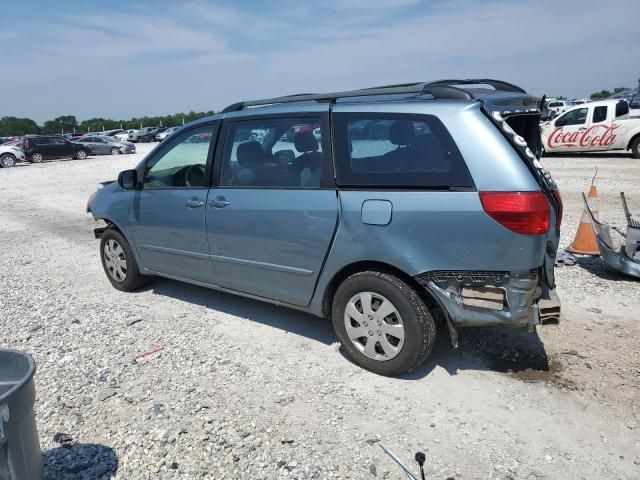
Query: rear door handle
pixel 219 202
pixel 194 203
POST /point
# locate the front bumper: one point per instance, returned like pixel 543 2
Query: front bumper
pixel 492 298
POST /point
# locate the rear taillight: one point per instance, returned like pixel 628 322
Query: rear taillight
pixel 558 199
pixel 523 212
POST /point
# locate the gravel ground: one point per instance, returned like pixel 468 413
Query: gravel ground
pixel 239 389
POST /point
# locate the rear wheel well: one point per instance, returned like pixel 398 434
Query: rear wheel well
pixel 370 265
pixel 633 139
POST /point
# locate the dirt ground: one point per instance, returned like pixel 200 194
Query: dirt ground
pixel 246 390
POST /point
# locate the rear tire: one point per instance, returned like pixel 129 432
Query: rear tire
pixel 81 154
pixel 7 160
pixel 36 157
pixel 119 263
pixel 635 148
pixel 393 306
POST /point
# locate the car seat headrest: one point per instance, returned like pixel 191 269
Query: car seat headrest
pixel 402 132
pixel 250 153
pixel 306 142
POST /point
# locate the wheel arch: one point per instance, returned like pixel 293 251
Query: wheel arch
pixel 367 265
pixel 633 139
pixel 110 223
pixel 9 154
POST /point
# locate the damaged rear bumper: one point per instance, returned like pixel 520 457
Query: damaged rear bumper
pixel 517 299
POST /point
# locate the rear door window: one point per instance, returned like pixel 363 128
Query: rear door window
pixel 275 152
pixel 599 114
pixel 384 150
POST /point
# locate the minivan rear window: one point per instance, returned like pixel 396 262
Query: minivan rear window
pixel 384 150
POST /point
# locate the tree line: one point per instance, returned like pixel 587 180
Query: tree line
pixel 13 126
pixel 602 94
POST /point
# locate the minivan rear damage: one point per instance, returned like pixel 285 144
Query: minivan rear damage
pixel 477 299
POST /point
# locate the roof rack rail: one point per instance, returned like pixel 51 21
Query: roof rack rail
pixel 497 84
pixel 437 91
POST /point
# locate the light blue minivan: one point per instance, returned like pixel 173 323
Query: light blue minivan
pixel 390 210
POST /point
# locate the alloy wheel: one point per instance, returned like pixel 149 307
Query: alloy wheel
pixel 374 326
pixel 7 161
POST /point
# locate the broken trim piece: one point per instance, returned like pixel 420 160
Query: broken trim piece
pixel 627 260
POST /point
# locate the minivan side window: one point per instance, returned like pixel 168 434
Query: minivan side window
pixel 573 117
pixel 183 163
pixel 397 151
pixel 599 114
pixel 274 152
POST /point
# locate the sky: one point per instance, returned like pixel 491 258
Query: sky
pixel 119 59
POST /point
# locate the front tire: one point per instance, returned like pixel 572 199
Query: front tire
pixel 382 323
pixel 115 151
pixel 635 148
pixel 81 154
pixel 118 261
pixel 7 160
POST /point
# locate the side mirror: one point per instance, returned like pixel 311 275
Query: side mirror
pixel 128 179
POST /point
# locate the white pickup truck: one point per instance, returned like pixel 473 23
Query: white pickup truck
pixel 593 127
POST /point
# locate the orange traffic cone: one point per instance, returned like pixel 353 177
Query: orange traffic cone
pixel 585 241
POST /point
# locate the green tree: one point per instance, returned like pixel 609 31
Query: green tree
pixel 63 124
pixel 17 126
pixel 619 89
pixel 600 95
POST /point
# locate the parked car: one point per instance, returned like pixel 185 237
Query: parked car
pixel 158 131
pixel 634 105
pixel 10 155
pixel 124 135
pixel 17 141
pixel 103 145
pixel 450 216
pixel 557 107
pixel 112 133
pixel 593 127
pixel 147 134
pixel 43 147
pixel 160 136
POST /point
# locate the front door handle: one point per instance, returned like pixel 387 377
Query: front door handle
pixel 194 203
pixel 219 202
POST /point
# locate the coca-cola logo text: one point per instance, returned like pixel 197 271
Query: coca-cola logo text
pixel 594 136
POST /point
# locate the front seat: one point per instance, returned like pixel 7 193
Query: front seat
pixel 306 170
pixel 250 157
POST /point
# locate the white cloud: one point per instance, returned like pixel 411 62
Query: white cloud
pixel 203 56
